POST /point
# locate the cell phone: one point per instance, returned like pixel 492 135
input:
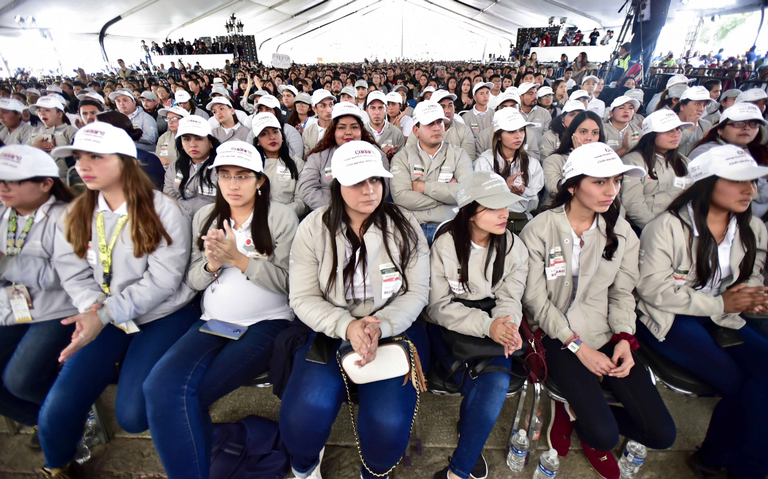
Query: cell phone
pixel 223 329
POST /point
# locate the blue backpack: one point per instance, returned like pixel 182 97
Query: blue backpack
pixel 248 449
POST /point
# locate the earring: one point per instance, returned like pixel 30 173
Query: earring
pixel 258 190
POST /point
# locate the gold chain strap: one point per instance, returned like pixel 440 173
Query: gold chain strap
pixel 414 382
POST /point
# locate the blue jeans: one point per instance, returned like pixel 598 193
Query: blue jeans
pixel 736 437
pixel 480 408
pixel 429 231
pixel 315 393
pixel 29 364
pixel 86 374
pixel 198 370
pixel 759 325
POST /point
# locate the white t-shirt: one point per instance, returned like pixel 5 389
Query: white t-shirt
pixel 361 285
pixel 723 255
pixel 406 125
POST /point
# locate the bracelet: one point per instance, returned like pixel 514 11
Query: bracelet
pixel 215 274
pixel 633 344
pixel 573 338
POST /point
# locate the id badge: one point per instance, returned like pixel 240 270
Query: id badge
pixel 328 172
pixel 679 182
pixel 177 180
pixel 390 280
pixel 283 172
pixel 129 327
pixel 21 303
pixel 445 177
pixel 164 150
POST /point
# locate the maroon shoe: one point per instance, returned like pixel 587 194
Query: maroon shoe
pixel 602 462
pixel 560 429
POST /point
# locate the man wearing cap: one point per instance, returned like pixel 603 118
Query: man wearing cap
pixel 692 105
pixel 91 104
pixel 289 93
pixel 537 116
pixel 480 117
pixel 426 175
pixel 620 133
pixel 678 79
pixel 126 104
pixel 149 103
pixel 15 131
pixel 589 84
pixel 396 116
pixel 495 91
pixel 388 136
pixel 322 103
pixel 457 133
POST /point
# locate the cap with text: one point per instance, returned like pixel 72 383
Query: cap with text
pixel 726 161
pixel 181 96
pixel 263 120
pixel 597 160
pixel 573 105
pixel 487 188
pixel 193 125
pixel 441 95
pixel 696 93
pixel 507 96
pixel 357 161
pixel 320 95
pixel 376 96
pixel 346 108
pixel 22 162
pixel 753 94
pixel 739 112
pixel 349 90
pixel 524 88
pixel 480 85
pixel 177 110
pixel 394 98
pixel 238 153
pixel 12 104
pixel 678 80
pixel 623 100
pixel 269 101
pixel 121 92
pixel 509 119
pixel 46 102
pixel 662 121
pixel 427 112
pixel 303 98
pixel 101 138
pixel 219 100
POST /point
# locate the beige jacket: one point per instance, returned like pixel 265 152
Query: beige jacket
pixel 445 286
pixel 310 137
pixel 668 268
pixel 614 139
pixel 269 273
pixel 643 198
pixel 458 135
pixel 436 204
pixel 553 173
pixel 603 304
pixel 691 137
pixel 390 134
pixel 166 147
pixel 310 265
pixel 478 123
pixel 548 143
pixel 282 187
pixel 19 136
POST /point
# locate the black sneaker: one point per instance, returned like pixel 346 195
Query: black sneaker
pixel 34 441
pixel 480 471
pixel 441 474
pixel 702 471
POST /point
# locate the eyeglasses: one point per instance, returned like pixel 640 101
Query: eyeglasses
pixel 742 124
pixel 9 183
pixel 173 120
pixel 237 178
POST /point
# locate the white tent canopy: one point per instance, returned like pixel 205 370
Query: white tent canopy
pixel 342 30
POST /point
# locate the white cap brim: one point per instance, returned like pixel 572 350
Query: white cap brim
pixel 745 174
pixel 352 180
pixel 607 171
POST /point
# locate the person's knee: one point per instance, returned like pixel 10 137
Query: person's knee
pixel 23 386
pixel 132 420
pixel 662 436
pixel 603 436
pixel 307 414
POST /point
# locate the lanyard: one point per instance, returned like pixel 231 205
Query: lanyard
pixel 13 247
pixel 105 252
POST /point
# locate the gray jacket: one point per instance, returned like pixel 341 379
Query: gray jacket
pixel 166 146
pixel 142 289
pixel 148 126
pixel 458 135
pixel 478 123
pixel 309 139
pixel 548 143
pixel 33 267
pixel 614 137
pixel 241 133
pixel 196 194
pixel 691 137
pixel 390 134
pixel 541 118
pixel 553 173
pixel 284 189
pixel 19 136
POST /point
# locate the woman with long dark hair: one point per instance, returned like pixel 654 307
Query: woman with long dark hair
pixel 701 270
pixel 586 127
pixel 270 104
pixel 240 251
pixel 359 272
pixel 302 113
pixel 189 180
pixel 496 265
pixel 646 197
pixel 551 139
pixel 464 100
pixel 582 264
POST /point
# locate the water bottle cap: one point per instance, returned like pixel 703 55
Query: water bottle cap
pixel 553 452
pixel 522 432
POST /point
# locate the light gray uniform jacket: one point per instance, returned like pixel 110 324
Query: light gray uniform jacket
pixel 241 133
pixel 33 267
pixel 196 194
pixel 614 138
pixel 691 137
pixel 458 135
pixel 548 143
pixel 310 137
pixel 144 121
pixel 541 118
pixel 603 304
pixel 61 135
pixel 19 136
pixel 390 134
pixel 142 289
pixel 446 285
pixel 484 142
pixel 311 265
pixel 282 188
pixel 668 270
pixel 437 202
pixel 530 196
pixel 553 173
pixel 478 123
pixel 166 146
pixel 270 273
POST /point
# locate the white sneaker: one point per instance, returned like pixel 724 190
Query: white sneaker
pixel 315 474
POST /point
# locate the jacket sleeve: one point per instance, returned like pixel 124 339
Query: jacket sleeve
pixel 75 273
pixel 166 267
pixel 33 272
pixel 307 299
pixel 546 146
pixel 535 299
pixel 621 301
pixel 758 271
pixel 310 188
pixel 272 273
pixel 535 183
pixel 295 143
pixel 198 278
pixel 149 130
pixel 633 199
pixel 509 296
pixel 553 173
pixel 482 163
pixel 468 143
pixel 402 186
pixel 446 192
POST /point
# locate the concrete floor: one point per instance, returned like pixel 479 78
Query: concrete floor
pixel 133 456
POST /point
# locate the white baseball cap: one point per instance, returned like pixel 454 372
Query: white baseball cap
pixel 597 160
pixel 696 93
pixel 290 88
pixel 22 162
pixel 511 89
pixel 269 101
pixel 488 85
pixel 99 137
pixel 394 98
pixel 61 99
pixel 148 95
pixel 46 102
pixel 12 104
pixel 662 121
pixel 737 112
pixel 54 89
pixel 217 80
pixel 376 96
pixel 753 94
pixel 31 91
pixel 579 94
pixel 677 91
pixel 730 93
pixel 92 96
pixel 258 93
pixel 573 105
pixel 544 91
pixel 523 88
pixel 441 95
pixel 361 84
pixel 173 109
pixel 121 92
pixel 623 100
pixel 320 95
pixel 507 96
pixel 426 90
pixel 263 120
pixel 238 153
pixel 509 119
pixel 678 79
pixel 356 161
pixel 488 189
pixel 193 125
pixel 220 90
pixel 726 161
pixel 349 90
pixel 218 101
pixel 590 77
pixel 345 108
pixel 428 111
pixel 635 94
pixel 181 96
pixel 303 98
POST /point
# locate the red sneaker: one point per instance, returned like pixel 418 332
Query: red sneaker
pixel 560 429
pixel 602 462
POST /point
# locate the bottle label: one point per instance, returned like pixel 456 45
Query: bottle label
pixel 633 458
pixel 517 452
pixel 546 471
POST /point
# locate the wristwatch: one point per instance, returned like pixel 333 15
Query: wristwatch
pixel 574 346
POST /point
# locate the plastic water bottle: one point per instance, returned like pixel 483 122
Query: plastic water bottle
pixel 83 453
pixel 537 424
pixel 518 450
pixel 91 433
pixel 548 465
pixel 631 459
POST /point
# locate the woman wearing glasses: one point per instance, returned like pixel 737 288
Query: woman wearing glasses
pixel 166 144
